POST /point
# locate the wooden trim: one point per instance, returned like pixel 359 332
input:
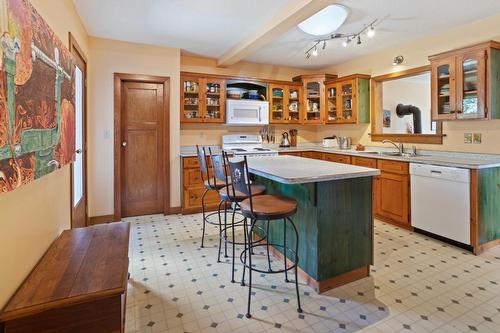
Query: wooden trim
pixel 93 220
pixel 74 46
pixel 324 77
pixel 348 77
pixel 376 106
pixel 384 219
pixel 412 138
pixel 174 210
pixel 484 45
pixel 118 79
pixel 243 78
pixel 474 211
pixel 402 74
pixel 486 246
pixel 325 285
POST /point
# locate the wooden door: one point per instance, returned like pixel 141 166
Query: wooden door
pixel 142 158
pixel 79 165
pixel 443 98
pixel 391 197
pixel 471 85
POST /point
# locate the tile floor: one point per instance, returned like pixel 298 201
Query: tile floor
pixel 417 285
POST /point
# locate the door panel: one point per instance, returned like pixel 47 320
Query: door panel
pixel 142 150
pixel 471 85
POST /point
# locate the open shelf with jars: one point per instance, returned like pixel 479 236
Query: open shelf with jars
pixel 465 83
pixel 348 100
pixel 203 99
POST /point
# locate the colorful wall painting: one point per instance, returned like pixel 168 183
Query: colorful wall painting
pixel 37 114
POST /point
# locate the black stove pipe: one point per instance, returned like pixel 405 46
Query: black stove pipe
pixel 405 110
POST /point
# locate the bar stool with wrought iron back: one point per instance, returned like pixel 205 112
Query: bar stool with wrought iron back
pixel 210 185
pixel 229 196
pixel 264 208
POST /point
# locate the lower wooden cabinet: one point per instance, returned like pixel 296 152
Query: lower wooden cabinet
pixel 337 158
pixel 391 200
pixel 391 197
pixel 193 188
pixel 312 154
pixel 364 162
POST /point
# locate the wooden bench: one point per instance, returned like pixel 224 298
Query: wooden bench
pixel 79 285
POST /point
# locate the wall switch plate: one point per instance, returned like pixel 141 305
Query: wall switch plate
pixel 107 133
pixel 477 138
pixel 467 138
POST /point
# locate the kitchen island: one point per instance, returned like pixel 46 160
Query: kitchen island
pixel 334 217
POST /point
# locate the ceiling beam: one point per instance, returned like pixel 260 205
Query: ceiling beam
pixel 292 13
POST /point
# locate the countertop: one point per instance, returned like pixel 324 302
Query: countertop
pixel 299 170
pixel 442 158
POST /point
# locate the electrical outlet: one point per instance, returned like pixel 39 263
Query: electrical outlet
pixel 467 138
pixel 477 138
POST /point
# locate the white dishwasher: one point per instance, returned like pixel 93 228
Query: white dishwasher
pixel 440 201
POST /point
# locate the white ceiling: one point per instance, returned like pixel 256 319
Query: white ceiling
pixel 203 27
pixel 211 27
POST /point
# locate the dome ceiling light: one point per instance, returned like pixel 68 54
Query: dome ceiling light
pixel 368 30
pixel 325 21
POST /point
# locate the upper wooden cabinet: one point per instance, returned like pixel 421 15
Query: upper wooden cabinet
pixel 285 103
pixel 314 102
pixel 203 99
pixel 348 100
pixel 465 83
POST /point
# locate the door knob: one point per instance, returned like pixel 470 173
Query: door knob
pixel 78 151
pixel 124 144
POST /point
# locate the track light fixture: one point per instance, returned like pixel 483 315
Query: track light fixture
pixel 369 29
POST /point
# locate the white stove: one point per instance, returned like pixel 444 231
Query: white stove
pixel 249 145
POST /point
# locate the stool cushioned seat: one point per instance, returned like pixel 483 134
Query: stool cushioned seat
pixel 269 207
pixel 226 193
pixel 220 184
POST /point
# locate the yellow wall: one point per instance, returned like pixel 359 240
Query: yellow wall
pixel 32 216
pixel 416 54
pixel 109 57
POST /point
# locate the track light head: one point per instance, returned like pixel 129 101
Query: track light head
pixel 315 52
pixel 359 40
pixel 324 45
pixel 371 32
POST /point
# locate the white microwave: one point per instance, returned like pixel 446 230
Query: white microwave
pixel 247 112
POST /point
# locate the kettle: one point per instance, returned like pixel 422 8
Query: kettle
pixel 285 143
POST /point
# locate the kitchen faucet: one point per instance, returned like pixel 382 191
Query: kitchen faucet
pixel 399 147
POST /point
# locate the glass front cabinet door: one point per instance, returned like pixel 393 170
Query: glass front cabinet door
pixel 443 89
pixel 294 104
pixel 313 106
pixel 277 104
pixel 471 85
pixel 214 98
pixel 332 103
pixel 190 100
